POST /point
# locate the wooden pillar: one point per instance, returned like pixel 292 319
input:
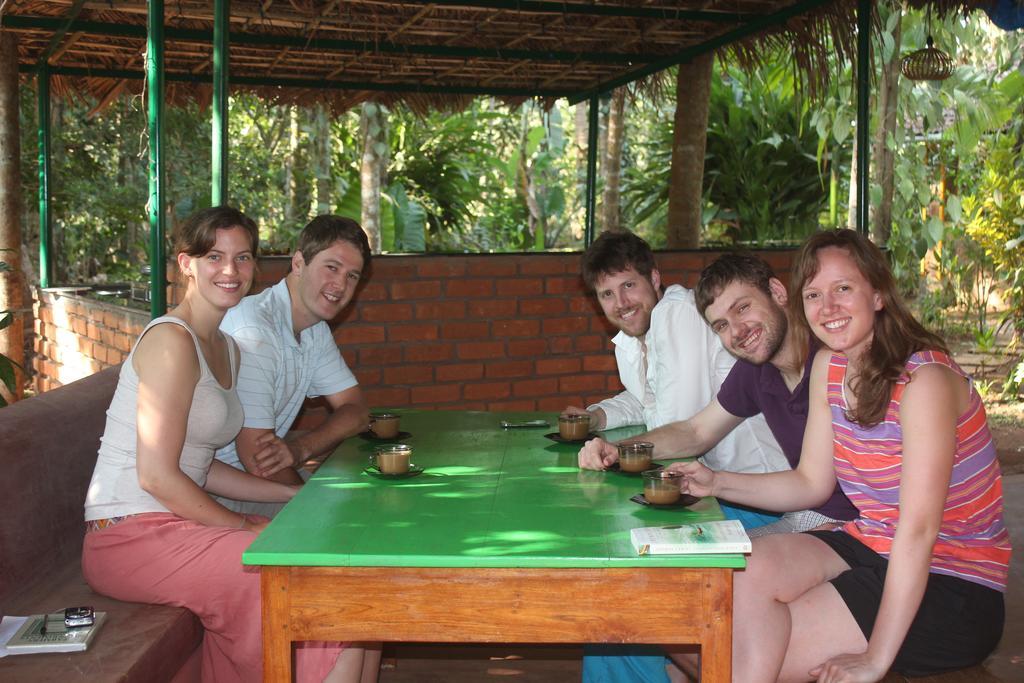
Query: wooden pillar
pixel 12 337
pixel 689 141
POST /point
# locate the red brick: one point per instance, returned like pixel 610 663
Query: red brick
pixel 465 330
pixel 458 289
pixel 558 366
pixel 349 356
pixel 409 374
pixel 560 345
pixel 527 347
pixel 441 310
pixel 414 332
pixel 492 308
pixel 393 268
pixel 565 285
pixel 588 343
pixel 392 397
pixel 586 305
pixel 380 355
pixel 535 387
pixel 459 372
pixel 487 390
pixel 418 289
pixel 79 326
pixel 480 350
pixel 418 353
pixel 614 384
pixel 510 406
pixel 510 368
pixel 542 307
pixel 600 324
pixel 464 405
pixel 368 377
pixel 557 404
pixel 441 266
pixel 580 383
pixel 683 260
pixel 436 393
pixel 122 342
pixel 545 265
pixel 603 363
pixel 515 328
pixel 565 325
pixel 371 291
pixel 93 331
pixel 519 287
pixel 385 313
pixel 493 266
pixel 359 334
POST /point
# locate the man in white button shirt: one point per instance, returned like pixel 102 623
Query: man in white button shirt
pixel 670 361
pixel 289 354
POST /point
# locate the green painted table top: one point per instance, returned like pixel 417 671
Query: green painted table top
pixel 489 497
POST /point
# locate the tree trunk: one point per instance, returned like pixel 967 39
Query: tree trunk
pixel 881 154
pixel 689 141
pixel 373 129
pixel 851 215
pixel 289 164
pixel 610 212
pixel 12 338
pixel 322 158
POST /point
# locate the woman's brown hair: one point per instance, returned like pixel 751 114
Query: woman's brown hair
pixel 897 334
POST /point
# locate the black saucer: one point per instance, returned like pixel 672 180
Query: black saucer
pixel 684 502
pixel 370 436
pixel 413 472
pixel 556 437
pixel 618 470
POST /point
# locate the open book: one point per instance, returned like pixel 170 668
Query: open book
pixel 32 637
pixel 684 539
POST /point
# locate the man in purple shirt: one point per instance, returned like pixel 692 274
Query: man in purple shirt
pixel 745 304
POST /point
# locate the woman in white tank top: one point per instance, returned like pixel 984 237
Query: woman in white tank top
pixel 154 533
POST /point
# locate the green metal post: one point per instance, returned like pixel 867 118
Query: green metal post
pixel 221 60
pixel 591 194
pixel 863 114
pixel 45 223
pixel 157 190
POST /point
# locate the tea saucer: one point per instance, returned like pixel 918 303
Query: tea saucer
pixel 684 501
pixel 556 437
pixel 400 436
pixel 413 471
pixel 618 470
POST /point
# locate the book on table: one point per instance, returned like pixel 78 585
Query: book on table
pixel 41 633
pixel 727 536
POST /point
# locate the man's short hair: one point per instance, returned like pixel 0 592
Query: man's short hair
pixel 325 230
pixel 613 252
pixel 738 266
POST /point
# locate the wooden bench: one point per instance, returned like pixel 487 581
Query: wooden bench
pixel 49 445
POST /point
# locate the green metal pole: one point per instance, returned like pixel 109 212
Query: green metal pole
pixel 45 223
pixel 221 59
pixel 157 189
pixel 591 194
pixel 863 114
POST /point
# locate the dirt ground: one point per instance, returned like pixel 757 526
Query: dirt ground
pixel 1006 420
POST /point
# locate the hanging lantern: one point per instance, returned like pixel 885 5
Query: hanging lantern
pixel 929 64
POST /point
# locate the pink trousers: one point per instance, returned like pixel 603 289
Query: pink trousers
pixel 163 559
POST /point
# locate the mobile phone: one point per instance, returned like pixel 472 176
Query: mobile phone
pixel 78 616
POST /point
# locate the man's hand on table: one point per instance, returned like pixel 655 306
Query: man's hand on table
pixel 274 454
pixel 598 454
pixel 699 480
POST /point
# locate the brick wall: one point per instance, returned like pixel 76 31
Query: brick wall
pixel 481 331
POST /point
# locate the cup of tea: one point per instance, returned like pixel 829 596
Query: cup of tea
pixel 392 459
pixel 384 425
pixel 635 456
pixel 573 427
pixel 661 487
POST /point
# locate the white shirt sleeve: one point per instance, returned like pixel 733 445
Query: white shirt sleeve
pixel 626 408
pixel 332 374
pixel 259 365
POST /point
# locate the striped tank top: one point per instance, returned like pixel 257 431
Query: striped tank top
pixel 973 543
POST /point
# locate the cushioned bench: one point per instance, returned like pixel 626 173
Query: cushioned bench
pixel 48 445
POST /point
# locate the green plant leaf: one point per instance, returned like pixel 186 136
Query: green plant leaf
pixel 953 208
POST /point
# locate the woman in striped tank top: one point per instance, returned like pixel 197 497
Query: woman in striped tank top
pixel 916 583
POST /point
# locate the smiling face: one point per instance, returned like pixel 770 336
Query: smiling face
pixel 627 299
pixel 751 324
pixel 223 275
pixel 321 288
pixel 840 304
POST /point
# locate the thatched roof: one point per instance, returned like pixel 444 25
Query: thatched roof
pixel 427 54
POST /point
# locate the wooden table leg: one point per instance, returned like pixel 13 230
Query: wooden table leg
pixel 277 644
pixel 716 648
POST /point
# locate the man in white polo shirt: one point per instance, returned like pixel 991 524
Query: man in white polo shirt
pixel 289 354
